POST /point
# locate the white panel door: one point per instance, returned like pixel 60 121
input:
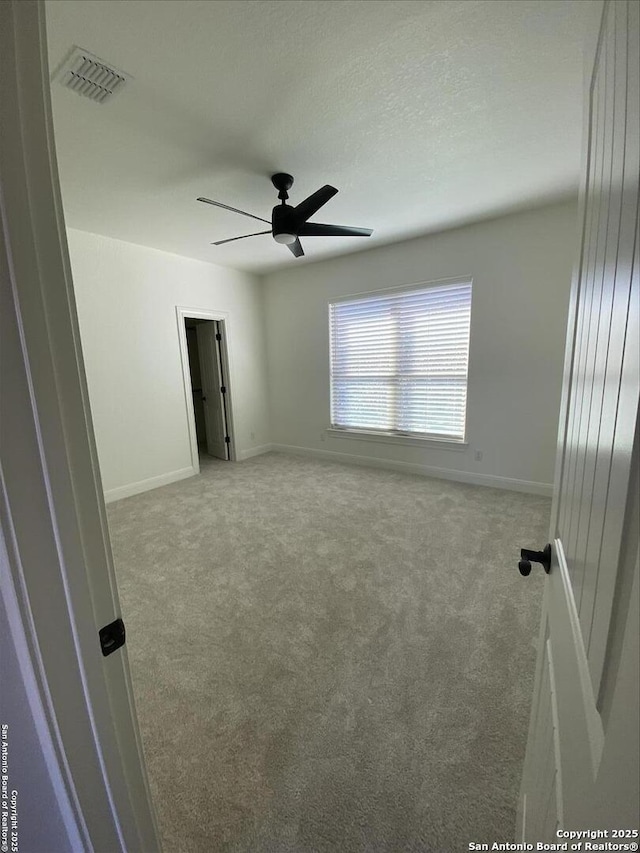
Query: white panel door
pixel 211 378
pixel 585 608
pixel 58 575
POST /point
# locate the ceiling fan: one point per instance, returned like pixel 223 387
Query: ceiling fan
pixel 289 223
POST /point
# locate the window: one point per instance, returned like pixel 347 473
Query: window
pixel 399 362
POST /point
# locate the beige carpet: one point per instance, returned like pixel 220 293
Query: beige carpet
pixel 330 658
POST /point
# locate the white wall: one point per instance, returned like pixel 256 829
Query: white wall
pixel 127 294
pixel 521 267
pixel 126 297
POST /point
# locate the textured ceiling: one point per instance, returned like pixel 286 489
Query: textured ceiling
pixel 424 115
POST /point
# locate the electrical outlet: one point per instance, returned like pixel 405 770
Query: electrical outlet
pixel 478 456
pixel 322 436
pixel 253 435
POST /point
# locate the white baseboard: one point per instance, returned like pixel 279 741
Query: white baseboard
pixel 145 485
pixel 472 477
pixel 254 451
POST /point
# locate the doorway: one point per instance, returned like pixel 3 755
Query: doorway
pixel 207 393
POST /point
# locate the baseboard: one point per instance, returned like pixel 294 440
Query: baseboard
pixel 472 477
pixel 117 494
pixel 254 451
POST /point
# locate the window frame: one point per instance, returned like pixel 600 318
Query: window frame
pixel 400 436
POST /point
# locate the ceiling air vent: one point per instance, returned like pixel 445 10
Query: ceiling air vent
pixel 85 74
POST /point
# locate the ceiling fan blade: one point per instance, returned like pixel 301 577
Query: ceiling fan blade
pixel 315 229
pixel 234 209
pixel 296 249
pixel 231 239
pixel 314 202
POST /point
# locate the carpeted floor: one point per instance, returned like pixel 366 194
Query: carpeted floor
pixel 330 658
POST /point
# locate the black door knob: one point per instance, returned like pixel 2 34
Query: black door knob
pixel 527 557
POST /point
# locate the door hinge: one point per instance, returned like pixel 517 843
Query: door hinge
pixel 227 439
pixel 218 336
pixel 112 636
pixel 223 390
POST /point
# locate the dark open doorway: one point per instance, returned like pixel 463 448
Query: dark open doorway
pixel 209 386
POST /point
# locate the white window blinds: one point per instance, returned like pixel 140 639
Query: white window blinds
pixel 399 362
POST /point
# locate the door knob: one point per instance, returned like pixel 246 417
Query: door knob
pixel 527 557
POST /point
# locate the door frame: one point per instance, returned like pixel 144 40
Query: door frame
pixel 183 313
pixel 52 511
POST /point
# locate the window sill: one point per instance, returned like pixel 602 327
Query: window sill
pixel 391 438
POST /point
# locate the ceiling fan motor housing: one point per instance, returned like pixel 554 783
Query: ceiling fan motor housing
pixel 284 220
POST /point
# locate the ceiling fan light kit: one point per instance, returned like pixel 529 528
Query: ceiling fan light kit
pixel 289 223
pixel 285 238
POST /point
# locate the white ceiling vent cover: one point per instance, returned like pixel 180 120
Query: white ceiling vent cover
pixel 85 74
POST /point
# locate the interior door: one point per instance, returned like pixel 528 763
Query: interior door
pixel 57 567
pixel 211 376
pixel 588 605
